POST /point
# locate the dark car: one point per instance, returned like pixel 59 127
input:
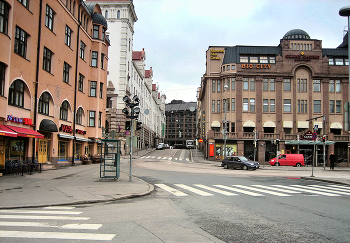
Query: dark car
pixel 239 162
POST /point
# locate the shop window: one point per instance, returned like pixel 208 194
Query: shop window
pixel 16 93
pixel 62 150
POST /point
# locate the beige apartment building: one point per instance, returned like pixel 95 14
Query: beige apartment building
pixel 255 98
pixel 53 69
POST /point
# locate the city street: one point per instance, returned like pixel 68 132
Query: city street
pixel 195 202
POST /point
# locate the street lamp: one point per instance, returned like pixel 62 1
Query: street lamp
pixel 132 104
pixel 225 125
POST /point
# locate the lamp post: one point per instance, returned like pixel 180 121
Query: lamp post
pixel 225 125
pixel 132 104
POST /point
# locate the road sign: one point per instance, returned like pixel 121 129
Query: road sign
pixel 200 140
pixel 314 136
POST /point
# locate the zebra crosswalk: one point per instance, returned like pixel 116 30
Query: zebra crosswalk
pixel 49 223
pixel 165 158
pixel 255 190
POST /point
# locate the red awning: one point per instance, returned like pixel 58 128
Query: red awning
pixel 4 131
pixel 25 132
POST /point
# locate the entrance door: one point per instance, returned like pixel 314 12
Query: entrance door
pixel 42 151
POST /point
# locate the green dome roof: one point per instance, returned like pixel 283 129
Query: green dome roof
pixel 297 34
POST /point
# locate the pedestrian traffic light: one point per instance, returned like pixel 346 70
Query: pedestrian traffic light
pixel 324 139
pixel 127 125
pixel 138 125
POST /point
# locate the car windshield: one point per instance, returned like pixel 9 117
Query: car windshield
pixel 243 159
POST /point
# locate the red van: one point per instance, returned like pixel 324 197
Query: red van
pixel 289 159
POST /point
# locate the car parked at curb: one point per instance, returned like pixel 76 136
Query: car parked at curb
pixel 289 159
pixel 239 162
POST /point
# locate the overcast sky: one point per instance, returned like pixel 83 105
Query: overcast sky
pixel 177 33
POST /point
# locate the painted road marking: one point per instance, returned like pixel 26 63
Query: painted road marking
pixel 171 190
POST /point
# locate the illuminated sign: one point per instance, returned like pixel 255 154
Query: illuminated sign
pixel 26 121
pixel 80 131
pixel 66 128
pixel 211 150
pixel 214 55
pixel 257 66
pixel 303 57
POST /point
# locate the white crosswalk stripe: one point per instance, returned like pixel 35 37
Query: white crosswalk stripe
pixel 257 190
pixel 53 218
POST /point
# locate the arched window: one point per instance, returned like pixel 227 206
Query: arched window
pixel 16 93
pixel 64 111
pixel 80 113
pixel 43 107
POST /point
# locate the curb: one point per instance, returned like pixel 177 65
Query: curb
pixel 325 180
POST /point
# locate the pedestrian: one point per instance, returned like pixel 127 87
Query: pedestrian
pixel 332 161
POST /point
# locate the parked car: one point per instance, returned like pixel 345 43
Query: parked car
pixel 239 162
pixel 159 147
pixel 166 146
pixel 289 159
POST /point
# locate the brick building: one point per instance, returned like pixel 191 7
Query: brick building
pixel 269 93
pixel 53 69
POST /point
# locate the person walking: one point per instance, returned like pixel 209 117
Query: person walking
pixel 332 161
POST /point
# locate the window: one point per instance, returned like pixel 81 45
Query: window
pixel 213 106
pixel 102 60
pixel 287 105
pixel 302 106
pixel 93 86
pixel 81 82
pixel 265 84
pixel 92 118
pixel 104 34
pixel 43 106
pixel 64 111
pixel 109 102
pixel 233 67
pixel 233 83
pixel 2 79
pixel 265 105
pixel 21 42
pixel 337 86
pixel 95 32
pixel 82 50
pixel 252 84
pixel 252 105
pixel 66 68
pixel 25 3
pixel 272 59
pixel 101 90
pixel 106 14
pixel 331 106
pixel 317 106
pixel 302 85
pixel 49 17
pixel 339 61
pixel 245 104
pixel 47 60
pixel 223 68
pixel 68 37
pixel 233 104
pixel 118 14
pixel 287 85
pixel 243 59
pixel 4 16
pixel 245 84
pixel 94 59
pixel 317 85
pixel 338 107
pixel 227 83
pixel 228 67
pixel 272 105
pixel 264 59
pixel 79 118
pixel 213 85
pixel 218 105
pixel 99 118
pixel 331 85
pixel 219 86
pixel 254 59
pixel 16 93
pixel 331 61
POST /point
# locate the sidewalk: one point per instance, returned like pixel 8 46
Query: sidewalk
pixel 69 185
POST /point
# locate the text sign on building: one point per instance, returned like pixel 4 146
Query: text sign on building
pixel 307 136
pixel 211 150
pixel 257 66
pixel 303 57
pixel 214 55
pixel 26 121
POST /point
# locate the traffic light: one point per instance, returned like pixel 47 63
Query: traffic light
pixel 277 141
pixel 127 125
pixel 324 139
pixel 138 125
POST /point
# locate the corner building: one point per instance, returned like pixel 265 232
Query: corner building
pixel 269 93
pixel 53 72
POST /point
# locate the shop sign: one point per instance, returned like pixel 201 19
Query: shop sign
pixel 26 121
pixel 303 57
pixel 307 136
pixel 257 66
pixel 66 128
pixel 211 150
pixel 80 131
pixel 214 55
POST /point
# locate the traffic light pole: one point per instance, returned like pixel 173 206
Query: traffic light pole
pixel 131 134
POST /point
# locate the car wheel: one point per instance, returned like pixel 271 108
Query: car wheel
pixel 225 166
pixel 277 164
pixel 298 165
pixel 245 167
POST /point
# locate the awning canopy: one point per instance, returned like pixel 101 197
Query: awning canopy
pixel 336 125
pixel 288 124
pixel 65 136
pixel 215 124
pixel 303 124
pixel 48 125
pixel 269 124
pixel 308 142
pixel 249 124
pixel 25 132
pixel 4 131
